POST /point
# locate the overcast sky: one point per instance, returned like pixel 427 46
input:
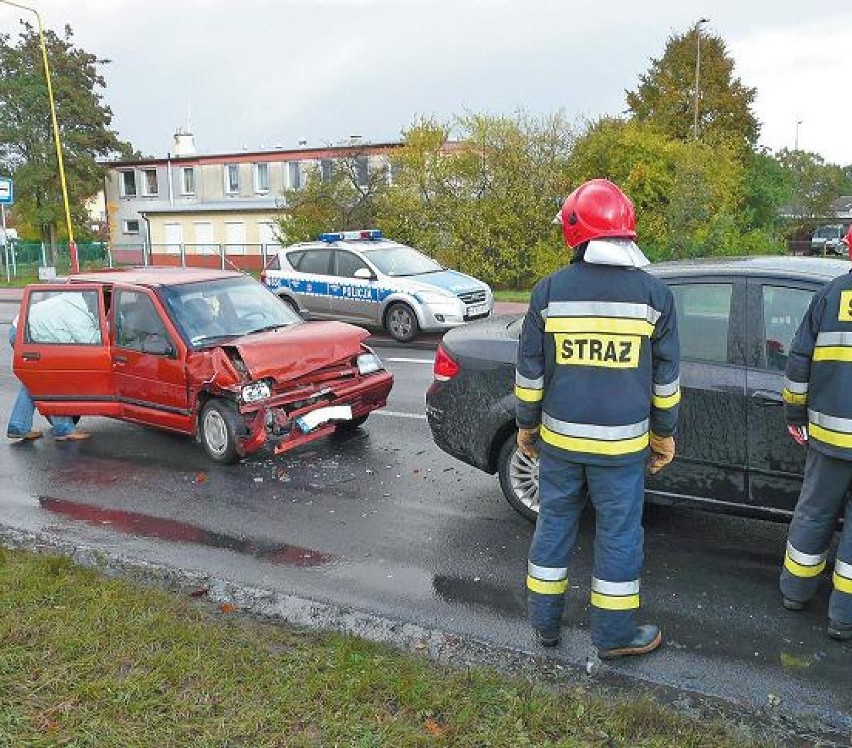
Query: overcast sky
pixel 261 73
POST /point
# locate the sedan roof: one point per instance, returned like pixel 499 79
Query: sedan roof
pixel 786 266
pixel 154 276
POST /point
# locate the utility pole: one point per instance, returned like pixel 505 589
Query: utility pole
pixel 697 74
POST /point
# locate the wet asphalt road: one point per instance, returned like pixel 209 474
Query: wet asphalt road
pixel 382 521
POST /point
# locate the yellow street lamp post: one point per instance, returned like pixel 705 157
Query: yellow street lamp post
pixel 72 246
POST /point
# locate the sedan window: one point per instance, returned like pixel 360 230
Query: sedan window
pixel 783 310
pixel 63 317
pixel 137 324
pixel 703 319
pixel 347 263
pixel 315 261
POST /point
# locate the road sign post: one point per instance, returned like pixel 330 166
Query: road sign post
pixel 7 197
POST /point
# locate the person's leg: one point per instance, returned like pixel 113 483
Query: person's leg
pixel 840 604
pixel 812 527
pixel 617 494
pixel 562 495
pixel 20 424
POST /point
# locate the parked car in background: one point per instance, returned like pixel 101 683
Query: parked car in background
pixel 736 319
pixel 827 240
pixel 206 353
pixel 361 277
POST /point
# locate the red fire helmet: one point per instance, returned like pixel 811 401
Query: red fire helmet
pixel 597 209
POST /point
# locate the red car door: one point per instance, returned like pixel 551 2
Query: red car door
pixel 148 362
pixel 62 351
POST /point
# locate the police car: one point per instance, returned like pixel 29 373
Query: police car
pixel 362 277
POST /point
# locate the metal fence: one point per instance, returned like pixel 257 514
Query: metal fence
pixel 22 260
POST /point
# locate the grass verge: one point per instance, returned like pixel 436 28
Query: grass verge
pixel 519 296
pixel 91 661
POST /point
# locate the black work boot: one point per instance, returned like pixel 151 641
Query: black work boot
pixel 792 604
pixel 842 632
pixel 549 638
pixel 646 639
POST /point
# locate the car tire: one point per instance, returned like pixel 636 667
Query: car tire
pixel 518 478
pixel 401 322
pixel 294 307
pixel 345 427
pixel 218 428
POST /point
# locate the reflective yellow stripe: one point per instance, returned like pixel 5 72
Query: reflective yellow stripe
pixel 666 402
pixel 528 395
pixel 608 602
pixel 830 437
pixel 546 588
pixel 842 584
pixel 833 353
pixel 793 399
pixel 594 446
pixel 798 570
pixel 613 325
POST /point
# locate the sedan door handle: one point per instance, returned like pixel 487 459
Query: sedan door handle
pixel 119 359
pixel 30 356
pixel 767 398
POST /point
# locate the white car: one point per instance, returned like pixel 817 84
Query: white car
pixel 361 277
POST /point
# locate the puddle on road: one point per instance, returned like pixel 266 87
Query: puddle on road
pixel 145 525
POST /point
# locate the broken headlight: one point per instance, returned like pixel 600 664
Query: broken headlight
pixel 368 363
pixel 255 391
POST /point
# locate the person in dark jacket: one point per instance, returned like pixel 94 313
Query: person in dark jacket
pixel 597 383
pixel 818 410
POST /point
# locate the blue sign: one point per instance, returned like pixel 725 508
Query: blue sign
pixel 7 191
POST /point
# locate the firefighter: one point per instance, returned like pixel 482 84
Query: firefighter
pixel 596 383
pixel 818 410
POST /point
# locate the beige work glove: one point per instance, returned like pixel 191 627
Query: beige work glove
pixel 662 452
pixel 527 439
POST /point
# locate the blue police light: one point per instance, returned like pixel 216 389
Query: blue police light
pixel 361 235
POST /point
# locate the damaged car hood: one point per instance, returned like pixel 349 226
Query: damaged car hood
pixel 291 352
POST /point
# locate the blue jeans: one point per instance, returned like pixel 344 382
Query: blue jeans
pixel 21 417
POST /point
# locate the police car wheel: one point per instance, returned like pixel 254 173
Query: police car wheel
pixel 218 427
pixel 401 323
pixel 518 478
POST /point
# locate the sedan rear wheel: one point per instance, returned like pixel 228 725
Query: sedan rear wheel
pixel 518 478
pixel 218 427
pixel 401 323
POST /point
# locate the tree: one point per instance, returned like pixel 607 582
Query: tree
pixel 666 93
pixel 815 185
pixel 338 196
pixel 27 149
pixel 483 203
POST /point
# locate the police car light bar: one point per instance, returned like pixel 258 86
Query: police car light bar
pixel 339 236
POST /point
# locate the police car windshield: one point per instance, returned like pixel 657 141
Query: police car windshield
pixel 401 260
pixel 230 307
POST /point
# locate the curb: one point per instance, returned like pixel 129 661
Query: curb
pixel 600 679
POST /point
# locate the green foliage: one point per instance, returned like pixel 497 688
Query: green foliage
pixel 346 198
pixel 483 204
pixel 666 93
pixel 815 185
pixel 27 150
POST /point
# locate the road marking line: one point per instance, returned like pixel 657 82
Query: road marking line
pixel 398 414
pixel 411 360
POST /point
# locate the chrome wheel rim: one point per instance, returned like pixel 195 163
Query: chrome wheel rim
pixel 400 323
pixel 215 432
pixel 523 477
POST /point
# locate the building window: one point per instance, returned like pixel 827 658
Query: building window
pixel 130 226
pixel 326 169
pixel 362 171
pixel 294 175
pixel 150 181
pixel 232 178
pixel 188 180
pixel 128 184
pixel 261 177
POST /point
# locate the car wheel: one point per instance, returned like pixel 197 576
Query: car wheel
pixel 344 427
pixel 518 478
pixel 401 323
pixel 291 304
pixel 218 428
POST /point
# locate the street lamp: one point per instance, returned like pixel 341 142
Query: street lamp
pixel 796 146
pixel 697 73
pixel 72 246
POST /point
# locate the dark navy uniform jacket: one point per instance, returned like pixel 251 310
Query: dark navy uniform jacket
pixel 818 384
pixel 598 363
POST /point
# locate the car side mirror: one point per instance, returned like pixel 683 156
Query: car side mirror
pixel 364 274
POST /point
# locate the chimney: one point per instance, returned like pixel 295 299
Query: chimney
pixel 184 143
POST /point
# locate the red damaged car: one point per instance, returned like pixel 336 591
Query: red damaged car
pixel 207 353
